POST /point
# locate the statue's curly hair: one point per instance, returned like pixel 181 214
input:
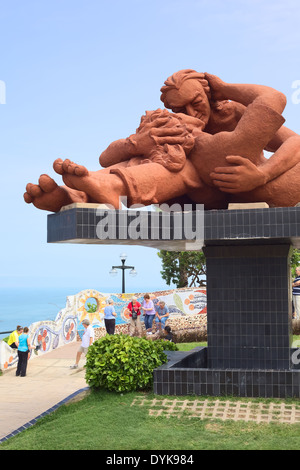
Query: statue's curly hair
pixel 176 80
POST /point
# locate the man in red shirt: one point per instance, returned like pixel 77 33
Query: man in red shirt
pixel 134 308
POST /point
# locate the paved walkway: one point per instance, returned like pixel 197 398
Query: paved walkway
pixel 49 381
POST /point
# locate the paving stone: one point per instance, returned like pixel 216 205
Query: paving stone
pixel 221 409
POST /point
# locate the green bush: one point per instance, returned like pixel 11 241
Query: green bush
pixel 123 363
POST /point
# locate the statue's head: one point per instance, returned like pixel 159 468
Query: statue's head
pixel 171 156
pixel 187 92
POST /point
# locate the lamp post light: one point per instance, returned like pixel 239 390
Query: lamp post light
pixel 114 272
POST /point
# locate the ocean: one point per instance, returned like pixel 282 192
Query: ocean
pixel 23 306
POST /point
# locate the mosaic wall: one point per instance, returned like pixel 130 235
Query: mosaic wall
pixel 48 334
pixel 182 303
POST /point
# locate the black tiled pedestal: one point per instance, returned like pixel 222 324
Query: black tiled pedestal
pixel 249 330
pixel 188 374
pixel 249 307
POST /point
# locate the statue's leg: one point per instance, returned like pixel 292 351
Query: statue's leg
pixel 145 183
pixel 152 183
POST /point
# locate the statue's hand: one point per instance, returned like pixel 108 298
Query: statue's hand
pixel 241 176
pixel 217 87
pixel 157 133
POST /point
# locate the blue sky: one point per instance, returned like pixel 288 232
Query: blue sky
pixel 79 75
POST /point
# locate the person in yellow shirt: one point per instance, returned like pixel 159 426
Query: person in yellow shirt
pixel 13 339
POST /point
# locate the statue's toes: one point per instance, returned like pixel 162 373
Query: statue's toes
pixel 27 198
pixel 80 170
pixel 67 166
pixel 34 190
pixel 47 184
pixel 57 166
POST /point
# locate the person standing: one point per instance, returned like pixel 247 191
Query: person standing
pixel 162 314
pixel 296 294
pixel 86 341
pixel 149 312
pixel 24 347
pixel 134 308
pixel 109 317
pixel 13 339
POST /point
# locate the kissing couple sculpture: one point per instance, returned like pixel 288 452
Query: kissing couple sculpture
pixel 208 149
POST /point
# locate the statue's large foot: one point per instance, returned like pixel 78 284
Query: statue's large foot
pixel 100 186
pixel 47 195
pixel 63 167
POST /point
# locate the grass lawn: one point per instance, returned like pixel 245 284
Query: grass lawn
pixel 108 421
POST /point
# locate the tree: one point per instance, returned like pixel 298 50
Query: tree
pixel 187 268
pixel 91 308
pixel 183 268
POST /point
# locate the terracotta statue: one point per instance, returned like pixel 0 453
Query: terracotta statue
pixel 208 150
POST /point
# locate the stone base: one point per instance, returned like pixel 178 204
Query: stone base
pixel 250 205
pixel 186 374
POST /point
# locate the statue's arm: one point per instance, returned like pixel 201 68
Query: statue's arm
pixel 144 141
pixel 283 134
pixel 285 158
pixel 118 151
pixel 284 143
pixel 246 93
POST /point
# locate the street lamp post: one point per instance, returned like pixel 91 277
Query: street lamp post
pixel 113 271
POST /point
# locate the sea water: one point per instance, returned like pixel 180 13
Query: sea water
pixel 23 306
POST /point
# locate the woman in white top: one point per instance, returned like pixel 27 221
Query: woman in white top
pixel 86 340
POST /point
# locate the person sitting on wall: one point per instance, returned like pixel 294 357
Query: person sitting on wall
pixel 161 315
pixel 168 334
pixel 13 339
